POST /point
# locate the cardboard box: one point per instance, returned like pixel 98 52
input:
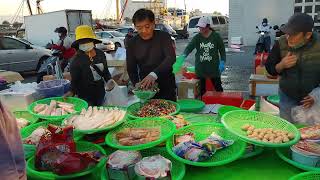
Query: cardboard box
pixel 189 89
pixel 11 76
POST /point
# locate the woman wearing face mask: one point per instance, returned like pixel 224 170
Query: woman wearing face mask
pixel 89 69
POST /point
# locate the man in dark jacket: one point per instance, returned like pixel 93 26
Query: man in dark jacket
pixel 129 35
pixel 296 59
pixel 150 56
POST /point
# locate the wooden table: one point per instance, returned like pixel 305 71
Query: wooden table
pixel 260 79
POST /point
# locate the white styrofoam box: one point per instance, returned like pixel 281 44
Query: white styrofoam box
pixel 267 107
pixel 265 89
pixel 17 101
pixel 237 40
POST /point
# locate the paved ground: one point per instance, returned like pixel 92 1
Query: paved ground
pixel 239 66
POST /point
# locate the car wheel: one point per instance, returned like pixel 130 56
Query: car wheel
pixel 41 61
pixel 117 45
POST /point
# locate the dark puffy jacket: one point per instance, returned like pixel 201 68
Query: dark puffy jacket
pixel 298 81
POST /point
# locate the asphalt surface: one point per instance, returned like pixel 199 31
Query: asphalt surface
pixel 239 66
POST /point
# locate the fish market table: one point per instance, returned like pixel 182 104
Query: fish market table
pixel 266 166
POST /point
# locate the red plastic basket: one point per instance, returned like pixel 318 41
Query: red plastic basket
pixel 247 104
pixel 224 98
pixel 190 75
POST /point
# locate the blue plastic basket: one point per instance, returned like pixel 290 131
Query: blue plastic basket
pixel 53 88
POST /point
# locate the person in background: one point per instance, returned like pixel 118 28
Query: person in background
pixel 266 28
pixel 89 69
pixel 150 56
pixel 210 57
pixel 64 45
pixel 1 43
pixel 296 59
pixel 129 35
pixel 12 161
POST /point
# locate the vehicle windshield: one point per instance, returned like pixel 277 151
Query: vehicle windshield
pixel 98 35
pixel 117 34
pixel 26 41
pixel 193 22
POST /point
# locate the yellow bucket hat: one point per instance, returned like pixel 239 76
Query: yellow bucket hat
pixel 84 34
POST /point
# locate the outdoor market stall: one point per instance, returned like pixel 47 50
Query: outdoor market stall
pixel 153 133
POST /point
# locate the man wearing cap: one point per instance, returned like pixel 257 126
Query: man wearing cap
pixel 296 59
pixel 210 56
pixel 88 69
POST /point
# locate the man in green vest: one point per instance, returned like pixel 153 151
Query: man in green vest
pixel 296 59
pixel 210 56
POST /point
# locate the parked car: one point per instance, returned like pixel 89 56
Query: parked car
pixel 125 30
pixel 116 37
pixel 182 33
pixel 219 24
pixel 166 28
pixel 106 45
pixel 18 55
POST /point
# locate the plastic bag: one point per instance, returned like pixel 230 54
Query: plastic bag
pixel 52 145
pixel 118 96
pixel 309 116
pixel 56 152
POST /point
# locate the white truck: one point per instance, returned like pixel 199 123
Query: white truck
pixel 39 29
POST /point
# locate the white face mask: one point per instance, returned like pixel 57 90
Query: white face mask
pixel 86 47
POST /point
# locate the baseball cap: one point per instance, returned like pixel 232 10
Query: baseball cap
pixel 203 22
pixel 299 22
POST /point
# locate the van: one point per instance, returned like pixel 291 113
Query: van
pixel 219 24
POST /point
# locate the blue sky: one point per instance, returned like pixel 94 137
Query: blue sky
pixel 99 7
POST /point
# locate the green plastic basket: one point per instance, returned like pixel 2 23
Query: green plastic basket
pixel 29 149
pixel 307 176
pixel 134 108
pixel 234 120
pixel 144 95
pixel 93 131
pixel 191 69
pixel 79 105
pixel 81 147
pixel 258 150
pixel 26 115
pixel 274 99
pixel 199 118
pixel 285 154
pixel 191 105
pixel 166 126
pixel 203 131
pixel 224 109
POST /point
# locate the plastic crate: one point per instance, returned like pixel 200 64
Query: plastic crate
pixel 247 104
pixel 224 98
pixel 53 88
